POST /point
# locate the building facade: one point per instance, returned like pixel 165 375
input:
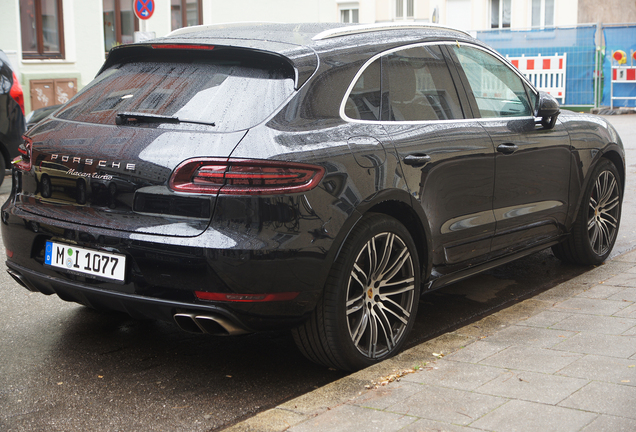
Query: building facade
pixel 57 46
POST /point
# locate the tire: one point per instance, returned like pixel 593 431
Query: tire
pixel 361 320
pixel 595 229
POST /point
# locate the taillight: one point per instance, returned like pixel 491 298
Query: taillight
pixel 16 92
pixel 244 177
pixel 231 297
pixel 26 148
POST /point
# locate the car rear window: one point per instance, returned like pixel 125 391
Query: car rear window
pixel 231 91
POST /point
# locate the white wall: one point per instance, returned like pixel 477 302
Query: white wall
pixel 10 41
pixel 160 21
pixel 565 13
pixel 272 11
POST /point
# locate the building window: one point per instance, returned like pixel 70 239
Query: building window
pixel 542 13
pixel 404 9
pixel 500 13
pixel 193 13
pixel 349 15
pixel 120 23
pixel 42 29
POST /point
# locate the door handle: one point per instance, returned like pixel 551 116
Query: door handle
pixel 417 160
pixel 507 148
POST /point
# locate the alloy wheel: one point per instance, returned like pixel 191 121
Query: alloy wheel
pixel 380 295
pixel 603 213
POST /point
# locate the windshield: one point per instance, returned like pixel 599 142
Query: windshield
pixel 221 89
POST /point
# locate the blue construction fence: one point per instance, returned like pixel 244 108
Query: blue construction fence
pixel 578 42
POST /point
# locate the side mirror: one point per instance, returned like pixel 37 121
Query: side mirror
pixel 547 110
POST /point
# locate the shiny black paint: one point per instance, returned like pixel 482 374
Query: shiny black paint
pixel 531 184
pixel 288 243
pixel 460 174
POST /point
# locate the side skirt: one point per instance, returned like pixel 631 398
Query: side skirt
pixel 441 280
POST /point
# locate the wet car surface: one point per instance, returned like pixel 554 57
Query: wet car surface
pixel 310 177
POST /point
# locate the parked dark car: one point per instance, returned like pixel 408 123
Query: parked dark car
pixel 36 116
pixel 308 176
pixel 12 125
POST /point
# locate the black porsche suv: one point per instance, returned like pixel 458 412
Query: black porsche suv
pixel 317 177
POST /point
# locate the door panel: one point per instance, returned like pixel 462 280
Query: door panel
pixel 531 183
pixel 454 188
pixel 532 163
pixel 448 161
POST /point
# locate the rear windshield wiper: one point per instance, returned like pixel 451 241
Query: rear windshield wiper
pixel 125 118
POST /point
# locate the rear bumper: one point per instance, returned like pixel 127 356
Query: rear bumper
pixel 139 307
pixel 162 277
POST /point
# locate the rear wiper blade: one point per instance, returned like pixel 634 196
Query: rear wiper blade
pixel 125 118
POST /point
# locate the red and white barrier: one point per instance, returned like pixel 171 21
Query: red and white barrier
pixel 546 73
pixel 623 74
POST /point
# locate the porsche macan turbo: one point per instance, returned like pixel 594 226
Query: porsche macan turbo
pixel 318 177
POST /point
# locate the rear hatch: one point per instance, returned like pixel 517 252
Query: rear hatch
pixel 106 158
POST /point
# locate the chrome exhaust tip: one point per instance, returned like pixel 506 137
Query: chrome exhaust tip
pixel 210 324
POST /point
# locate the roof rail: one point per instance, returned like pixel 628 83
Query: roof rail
pixel 364 28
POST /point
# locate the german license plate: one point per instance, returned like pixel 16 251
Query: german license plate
pixel 86 261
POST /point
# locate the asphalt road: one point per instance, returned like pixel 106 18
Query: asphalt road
pixel 64 367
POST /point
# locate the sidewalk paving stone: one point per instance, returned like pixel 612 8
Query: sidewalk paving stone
pixel 433 426
pixel 545 319
pixel 626 295
pixel 460 376
pixel 347 418
pixel 447 405
pixel 625 279
pixel 601 291
pixel 521 416
pixel 603 368
pixel 604 398
pixel 476 352
pixel 611 424
pixel 628 312
pixel 594 343
pixel 533 387
pixel 538 337
pixel 590 306
pixel 532 359
pixel 608 325
pixel 386 396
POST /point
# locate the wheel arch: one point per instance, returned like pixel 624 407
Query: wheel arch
pixel 619 163
pixel 399 205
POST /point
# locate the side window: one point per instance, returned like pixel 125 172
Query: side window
pixel 498 90
pixel 420 86
pixel 363 102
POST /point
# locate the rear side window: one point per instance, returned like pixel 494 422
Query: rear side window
pixel 412 84
pixel 363 102
pixel 232 92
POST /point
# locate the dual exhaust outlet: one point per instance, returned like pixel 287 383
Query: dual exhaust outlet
pixel 216 325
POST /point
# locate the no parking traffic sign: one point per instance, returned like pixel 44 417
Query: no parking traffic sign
pixel 144 8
